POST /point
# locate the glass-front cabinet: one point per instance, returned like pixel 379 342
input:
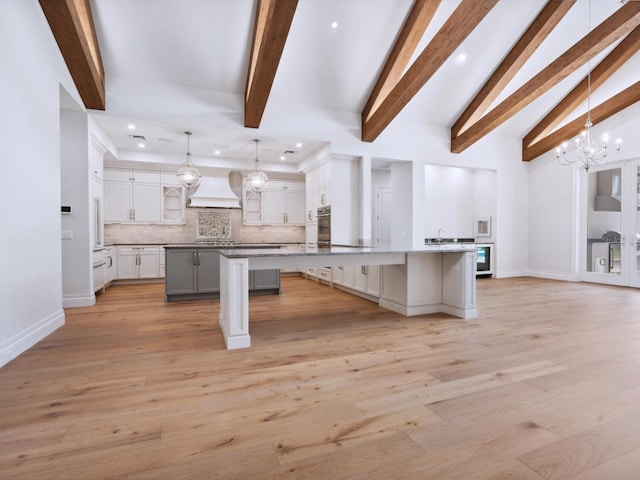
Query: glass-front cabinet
pixel 612 230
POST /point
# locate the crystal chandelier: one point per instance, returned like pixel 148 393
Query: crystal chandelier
pixel 188 174
pixel 587 152
pixel 257 179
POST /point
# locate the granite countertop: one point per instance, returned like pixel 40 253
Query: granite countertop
pixel 199 244
pixel 227 247
pixel 342 250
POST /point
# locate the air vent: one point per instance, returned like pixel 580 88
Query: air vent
pixel 289 151
pixel 137 137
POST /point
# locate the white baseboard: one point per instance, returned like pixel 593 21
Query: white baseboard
pixel 73 301
pixel 567 277
pixel 26 339
pixel 512 273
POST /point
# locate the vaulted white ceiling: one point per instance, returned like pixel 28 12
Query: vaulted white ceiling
pixel 172 66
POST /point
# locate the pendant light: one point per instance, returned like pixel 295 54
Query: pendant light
pixel 188 174
pixel 257 179
pixel 587 152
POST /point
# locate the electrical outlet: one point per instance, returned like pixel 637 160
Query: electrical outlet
pixel 67 235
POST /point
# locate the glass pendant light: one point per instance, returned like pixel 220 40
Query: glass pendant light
pixel 257 179
pixel 588 153
pixel 188 174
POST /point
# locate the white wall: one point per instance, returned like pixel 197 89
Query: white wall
pixel 448 201
pixel 77 258
pixel 551 219
pixel 30 253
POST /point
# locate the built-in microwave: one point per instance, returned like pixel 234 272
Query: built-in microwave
pixel 483 259
pixel 324 226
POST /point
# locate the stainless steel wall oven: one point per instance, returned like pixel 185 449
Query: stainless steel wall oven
pixel 324 226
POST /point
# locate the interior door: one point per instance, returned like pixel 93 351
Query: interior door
pixel 612 225
pixel 634 241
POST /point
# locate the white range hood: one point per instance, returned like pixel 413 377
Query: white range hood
pixel 214 192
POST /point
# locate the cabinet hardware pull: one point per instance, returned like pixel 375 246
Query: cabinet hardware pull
pixel 198 258
pixel 195 258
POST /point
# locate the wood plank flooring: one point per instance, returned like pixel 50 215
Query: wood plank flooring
pixel 545 384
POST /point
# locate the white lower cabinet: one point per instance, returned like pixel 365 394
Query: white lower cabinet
pixel 373 280
pixel 324 274
pixel 98 270
pixel 163 267
pixel 361 278
pixel 138 262
pixel 110 264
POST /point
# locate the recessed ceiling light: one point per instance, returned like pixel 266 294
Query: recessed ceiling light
pixel 334 25
pixel 216 152
pixel 461 58
pixel 141 145
pixel 283 158
pixel 131 126
pixel 299 145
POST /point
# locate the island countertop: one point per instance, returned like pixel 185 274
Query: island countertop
pixel 304 250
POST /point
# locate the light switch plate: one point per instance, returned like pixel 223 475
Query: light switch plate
pixel 67 235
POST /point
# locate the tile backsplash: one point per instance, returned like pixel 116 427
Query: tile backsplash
pixel 188 233
pixel 214 225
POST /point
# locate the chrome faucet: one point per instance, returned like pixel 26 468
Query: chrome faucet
pixel 440 232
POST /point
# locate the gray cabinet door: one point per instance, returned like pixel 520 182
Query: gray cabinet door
pixel 208 270
pixel 181 271
pixel 265 279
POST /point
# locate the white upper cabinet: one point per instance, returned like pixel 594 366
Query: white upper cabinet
pixel 174 199
pixel 96 162
pixel 173 204
pixel 312 196
pixel 282 203
pixel 132 196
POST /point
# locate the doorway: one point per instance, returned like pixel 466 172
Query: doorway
pixel 612 230
pixel 383 215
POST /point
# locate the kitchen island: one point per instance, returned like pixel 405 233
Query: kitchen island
pixel 415 281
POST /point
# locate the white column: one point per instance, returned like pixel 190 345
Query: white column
pixel 402 204
pixel 459 284
pixel 234 302
pixel 365 200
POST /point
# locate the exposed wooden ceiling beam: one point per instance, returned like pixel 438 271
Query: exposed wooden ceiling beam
pixel 530 40
pixel 618 56
pixel 457 27
pixel 610 107
pixel 72 25
pixel 271 28
pixel 625 19
pixel 412 31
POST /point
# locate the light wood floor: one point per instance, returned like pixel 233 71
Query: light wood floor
pixel 545 384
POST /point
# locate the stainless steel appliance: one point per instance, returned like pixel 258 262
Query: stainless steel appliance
pixel 324 226
pixel 483 260
pixel 605 257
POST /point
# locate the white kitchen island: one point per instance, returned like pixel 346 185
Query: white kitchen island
pixel 429 279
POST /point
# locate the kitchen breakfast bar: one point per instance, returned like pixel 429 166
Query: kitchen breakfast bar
pixel 415 281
